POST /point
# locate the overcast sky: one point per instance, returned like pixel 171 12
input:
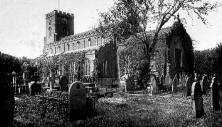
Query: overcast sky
pixel 22 24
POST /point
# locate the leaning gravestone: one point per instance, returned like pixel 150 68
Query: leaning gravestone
pixel 77 101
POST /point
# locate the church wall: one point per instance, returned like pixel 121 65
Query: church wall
pixel 106 64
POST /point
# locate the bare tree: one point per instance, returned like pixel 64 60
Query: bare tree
pixel 130 17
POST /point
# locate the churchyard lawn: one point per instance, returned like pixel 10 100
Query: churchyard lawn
pixel 121 110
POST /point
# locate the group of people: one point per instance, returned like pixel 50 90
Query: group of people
pixel 198 88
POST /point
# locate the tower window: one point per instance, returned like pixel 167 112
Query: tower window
pixel 78 44
pixel 50 31
pixel 50 22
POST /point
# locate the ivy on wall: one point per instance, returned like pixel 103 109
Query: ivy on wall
pixel 53 64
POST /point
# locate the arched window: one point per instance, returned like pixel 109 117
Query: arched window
pixel 51 50
pixel 90 42
pixel 78 44
pixel 50 31
pixel 59 48
pixel 87 67
pixel 73 46
pixel 68 47
pixel 84 44
pixel 96 39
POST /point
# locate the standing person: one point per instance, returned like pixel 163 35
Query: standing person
pixel 197 99
pixel 214 93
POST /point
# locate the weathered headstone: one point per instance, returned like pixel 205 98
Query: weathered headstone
pixel 77 101
pixel 197 100
pixel 35 88
pixel 203 84
pixel 63 82
pixel 189 83
pixel 214 94
pixel 153 84
pixel 174 84
pixel 220 95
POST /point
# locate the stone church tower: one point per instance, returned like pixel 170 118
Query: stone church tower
pixel 58 25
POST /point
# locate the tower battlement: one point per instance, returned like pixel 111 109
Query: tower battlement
pixel 60 13
pixel 59 24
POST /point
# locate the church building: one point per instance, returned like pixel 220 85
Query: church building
pixel 61 40
pixel 172 58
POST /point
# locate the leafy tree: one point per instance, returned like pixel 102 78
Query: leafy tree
pixel 218 61
pixel 204 61
pixel 130 17
pixel 209 61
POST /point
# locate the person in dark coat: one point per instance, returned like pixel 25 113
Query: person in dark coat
pixel 215 94
pixel 197 99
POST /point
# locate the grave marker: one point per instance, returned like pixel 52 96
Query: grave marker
pixel 215 94
pixel 63 83
pixel 203 84
pixel 197 100
pixel 188 85
pixel 153 84
pixel 77 101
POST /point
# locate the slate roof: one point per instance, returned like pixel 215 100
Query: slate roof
pixel 162 35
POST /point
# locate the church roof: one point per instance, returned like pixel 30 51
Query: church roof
pixel 162 35
pixel 85 34
pixel 164 32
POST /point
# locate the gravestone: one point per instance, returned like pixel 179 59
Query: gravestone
pixel 188 85
pixel 197 100
pixel 220 95
pixel 77 101
pixel 153 84
pixel 175 83
pixel 215 98
pixel 35 88
pixel 203 84
pixel 63 82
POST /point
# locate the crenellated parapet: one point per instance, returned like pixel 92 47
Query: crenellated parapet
pixel 59 13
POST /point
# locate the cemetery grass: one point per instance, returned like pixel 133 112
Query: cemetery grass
pixel 131 110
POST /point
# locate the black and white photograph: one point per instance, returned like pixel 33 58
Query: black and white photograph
pixel 111 63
